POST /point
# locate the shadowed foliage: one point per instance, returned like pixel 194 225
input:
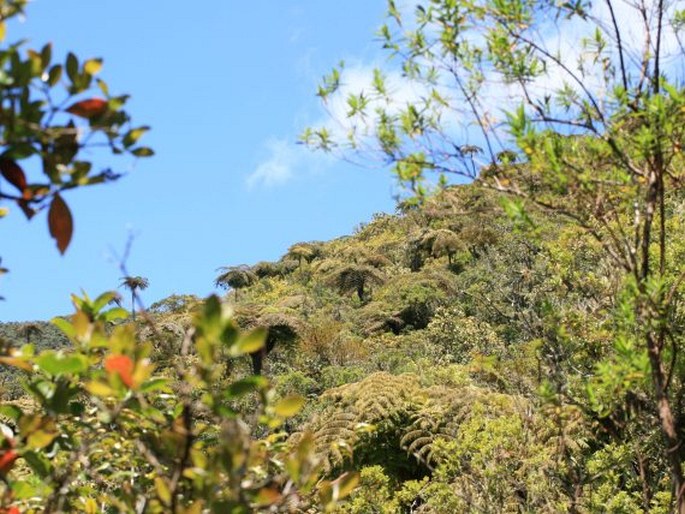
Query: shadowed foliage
pixel 355 277
pixel 283 329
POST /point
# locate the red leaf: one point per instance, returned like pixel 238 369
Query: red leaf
pixel 7 459
pixel 60 223
pixel 88 108
pixel 121 365
pixel 13 174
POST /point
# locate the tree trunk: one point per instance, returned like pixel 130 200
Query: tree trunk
pixel 669 425
pixel 655 337
pixel 133 304
pixel 258 361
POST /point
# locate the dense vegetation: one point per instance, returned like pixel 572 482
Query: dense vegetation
pixel 458 360
pixel 508 345
pixel 464 361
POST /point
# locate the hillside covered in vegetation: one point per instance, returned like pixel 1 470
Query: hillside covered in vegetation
pixel 463 359
pixel 460 359
pixel 511 344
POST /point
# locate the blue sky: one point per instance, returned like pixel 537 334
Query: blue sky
pixel 227 87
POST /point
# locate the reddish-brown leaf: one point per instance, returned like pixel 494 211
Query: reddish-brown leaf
pixel 121 365
pixel 60 223
pixel 29 211
pixel 7 458
pixel 88 108
pixel 13 174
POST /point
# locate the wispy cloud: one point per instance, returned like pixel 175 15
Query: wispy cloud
pixel 358 79
pixel 279 165
pixel 285 161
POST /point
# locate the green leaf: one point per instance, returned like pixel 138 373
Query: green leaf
pixel 143 151
pixel 23 490
pixel 245 386
pixel 63 394
pixel 10 411
pixel 250 342
pixel 116 314
pixel 103 87
pixel 54 75
pixel 516 211
pixel 99 389
pixel 155 415
pixel 345 484
pixel 117 102
pixel 289 406
pixel 155 384
pixel 46 55
pixel 163 491
pixel 38 463
pixel 133 135
pixel 20 151
pixel 65 326
pixel 57 363
pixel 103 300
pixel 72 67
pixel 40 438
pixel 90 506
pixel 326 495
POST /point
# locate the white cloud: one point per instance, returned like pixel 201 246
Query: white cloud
pixel 285 161
pixel 358 79
pixel 278 167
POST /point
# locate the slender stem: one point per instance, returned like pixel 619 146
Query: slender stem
pixel 657 52
pixel 617 32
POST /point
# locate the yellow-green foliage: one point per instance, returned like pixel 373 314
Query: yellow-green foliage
pixel 103 432
pixel 486 384
pixel 485 451
pixel 478 352
pixel 493 384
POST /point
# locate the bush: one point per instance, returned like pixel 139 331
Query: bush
pixel 104 433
